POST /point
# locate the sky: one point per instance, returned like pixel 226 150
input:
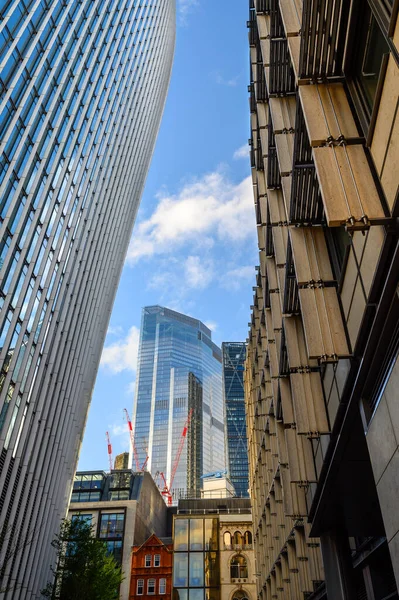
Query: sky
pixel 194 244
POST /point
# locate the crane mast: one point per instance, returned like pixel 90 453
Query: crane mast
pixel 167 489
pixel 111 462
pixel 135 455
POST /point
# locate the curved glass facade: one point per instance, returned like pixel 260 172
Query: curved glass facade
pixel 82 90
pixel 234 354
pixel 179 368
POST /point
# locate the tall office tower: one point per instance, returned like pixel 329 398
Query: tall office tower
pixel 322 371
pixel 179 372
pixel 234 354
pixel 82 90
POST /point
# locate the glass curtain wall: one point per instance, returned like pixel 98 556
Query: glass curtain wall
pixel 234 354
pixel 82 90
pixel 178 367
pixel 196 565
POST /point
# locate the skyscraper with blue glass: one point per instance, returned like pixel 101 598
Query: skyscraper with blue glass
pixel 82 90
pixel 179 369
pixel 234 354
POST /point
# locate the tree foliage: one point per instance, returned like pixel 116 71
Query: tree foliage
pixel 84 570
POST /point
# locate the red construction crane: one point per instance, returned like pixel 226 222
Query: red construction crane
pixel 167 489
pixel 111 462
pixel 135 455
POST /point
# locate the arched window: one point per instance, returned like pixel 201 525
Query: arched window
pixel 237 538
pixel 238 567
pixel 248 538
pixel 227 538
pixel 240 595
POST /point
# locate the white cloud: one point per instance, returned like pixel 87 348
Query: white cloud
pixel 234 278
pixel 220 80
pixel 185 7
pixel 210 206
pixel 117 330
pixel 242 152
pixel 211 325
pixel 119 430
pixel 198 272
pixel 122 354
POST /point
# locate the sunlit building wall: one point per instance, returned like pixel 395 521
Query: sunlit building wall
pixel 179 370
pixel 322 369
pixel 82 90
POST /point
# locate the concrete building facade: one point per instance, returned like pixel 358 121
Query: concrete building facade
pixel 125 509
pixel 322 366
pixel 82 90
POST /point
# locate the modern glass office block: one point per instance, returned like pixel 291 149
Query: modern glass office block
pixel 234 354
pixel 179 369
pixel 82 90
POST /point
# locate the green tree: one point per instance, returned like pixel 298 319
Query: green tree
pixel 84 569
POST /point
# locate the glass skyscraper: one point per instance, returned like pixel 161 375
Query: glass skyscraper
pixel 234 354
pixel 82 90
pixel 179 369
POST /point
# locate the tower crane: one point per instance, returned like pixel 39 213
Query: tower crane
pixel 111 462
pixel 135 455
pixel 167 489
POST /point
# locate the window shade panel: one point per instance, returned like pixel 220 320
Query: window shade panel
pixel 280 241
pixel 281 444
pixel 308 402
pixel 260 179
pixel 276 207
pixel 300 458
pixel 291 13
pixel 269 326
pixel 276 311
pixel 294 48
pixel 294 500
pixel 283 113
pixel 347 187
pixel 327 113
pixel 263 115
pixel 286 185
pixel 274 362
pixel 286 401
pixel 323 325
pixel 311 259
pixel 272 274
pixel 296 347
pixel 285 151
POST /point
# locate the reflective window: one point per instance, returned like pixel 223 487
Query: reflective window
pixel 369 48
pixel 157 560
pixel 114 548
pixel 238 567
pixel 147 560
pixel 196 534
pixel 140 587
pixel 111 525
pixel 180 569
pixel 181 534
pixel 151 586
pixel 162 586
pixel 196 569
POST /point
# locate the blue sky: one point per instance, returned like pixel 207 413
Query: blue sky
pixel 193 247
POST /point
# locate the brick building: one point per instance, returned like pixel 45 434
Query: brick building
pixel 152 563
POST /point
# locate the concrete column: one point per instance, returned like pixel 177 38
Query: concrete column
pixel 338 566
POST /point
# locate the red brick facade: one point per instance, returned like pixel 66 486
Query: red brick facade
pixel 151 576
